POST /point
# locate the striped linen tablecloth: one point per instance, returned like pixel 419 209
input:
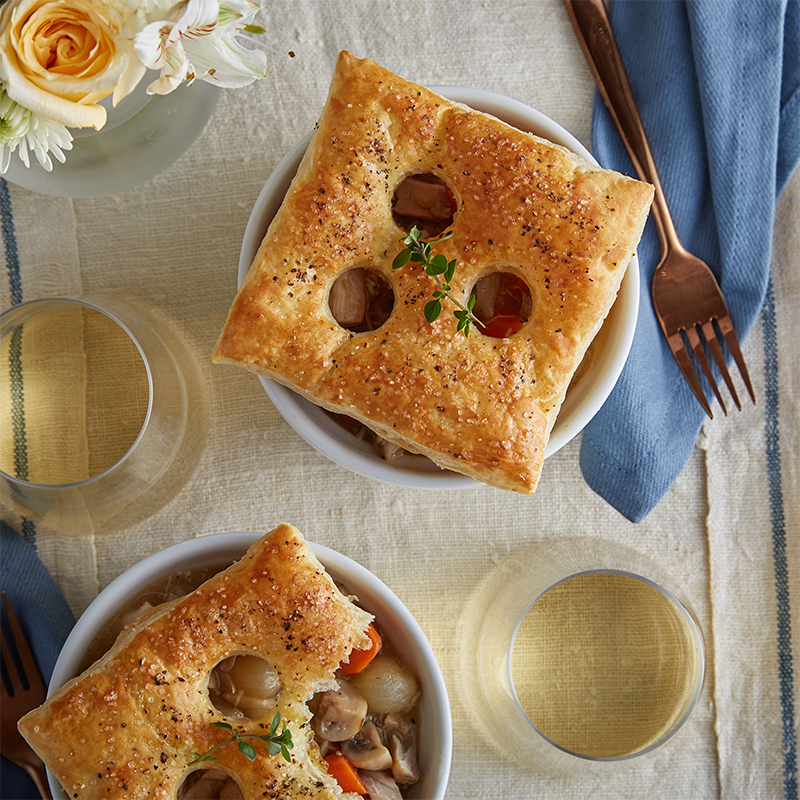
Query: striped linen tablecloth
pixel 726 530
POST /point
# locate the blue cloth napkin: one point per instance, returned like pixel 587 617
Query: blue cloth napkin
pixel 718 87
pixel 46 620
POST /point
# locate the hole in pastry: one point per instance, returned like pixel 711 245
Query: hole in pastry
pixel 503 303
pixel 426 201
pixel 361 299
pixel 244 687
pixel 209 784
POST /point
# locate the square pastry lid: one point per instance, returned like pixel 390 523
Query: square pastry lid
pixel 132 723
pixel 479 405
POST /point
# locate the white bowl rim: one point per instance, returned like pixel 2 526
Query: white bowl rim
pixel 209 546
pixel 580 405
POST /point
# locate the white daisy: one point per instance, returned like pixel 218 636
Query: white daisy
pixel 24 131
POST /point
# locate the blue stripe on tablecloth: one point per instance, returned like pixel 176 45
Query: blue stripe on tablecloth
pixel 772 435
pixel 15 351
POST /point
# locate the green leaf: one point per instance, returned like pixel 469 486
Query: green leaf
pixel 437 265
pixel 420 252
pixel 224 725
pixel 275 722
pixel 248 751
pixel 401 259
pixel 432 310
pixel 275 743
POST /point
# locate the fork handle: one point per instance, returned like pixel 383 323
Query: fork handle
pixel 596 38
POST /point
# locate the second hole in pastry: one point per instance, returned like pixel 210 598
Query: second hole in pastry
pixel 244 686
pixel 361 299
pixel 503 303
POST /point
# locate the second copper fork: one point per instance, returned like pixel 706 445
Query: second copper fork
pixel 686 297
pixel 27 692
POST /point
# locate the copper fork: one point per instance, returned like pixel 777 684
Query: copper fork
pixel 27 692
pixel 686 296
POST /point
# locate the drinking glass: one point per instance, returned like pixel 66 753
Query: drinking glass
pixel 103 413
pixel 580 656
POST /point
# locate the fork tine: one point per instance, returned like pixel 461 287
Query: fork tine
pixel 726 327
pixel 716 351
pixel 678 349
pixel 700 354
pixel 30 669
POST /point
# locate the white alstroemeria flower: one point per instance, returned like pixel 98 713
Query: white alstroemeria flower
pixel 22 130
pixel 198 40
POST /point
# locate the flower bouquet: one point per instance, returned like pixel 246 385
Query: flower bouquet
pixel 60 58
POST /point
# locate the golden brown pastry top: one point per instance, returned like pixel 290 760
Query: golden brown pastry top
pixel 478 405
pixel 127 727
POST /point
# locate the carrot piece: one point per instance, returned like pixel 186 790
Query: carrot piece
pixel 501 326
pixel 344 773
pixel 360 658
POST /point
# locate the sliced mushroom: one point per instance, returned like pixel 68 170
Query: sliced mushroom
pixel 340 713
pixel 365 750
pixel 380 785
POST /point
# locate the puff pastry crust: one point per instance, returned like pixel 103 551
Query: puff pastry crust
pixel 480 406
pixel 127 727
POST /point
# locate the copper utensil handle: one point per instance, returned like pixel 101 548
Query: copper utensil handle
pixel 593 28
pixel 38 773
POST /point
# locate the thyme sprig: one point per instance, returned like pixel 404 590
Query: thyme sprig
pixel 276 742
pixel 442 271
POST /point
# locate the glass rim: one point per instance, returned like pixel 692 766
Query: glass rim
pixel 697 637
pixel 27 308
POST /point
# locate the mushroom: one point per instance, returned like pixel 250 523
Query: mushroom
pixel 340 713
pixel 365 750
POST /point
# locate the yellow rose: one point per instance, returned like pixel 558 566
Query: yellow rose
pixel 58 58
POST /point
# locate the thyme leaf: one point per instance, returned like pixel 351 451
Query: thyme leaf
pixel 442 271
pixel 277 742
